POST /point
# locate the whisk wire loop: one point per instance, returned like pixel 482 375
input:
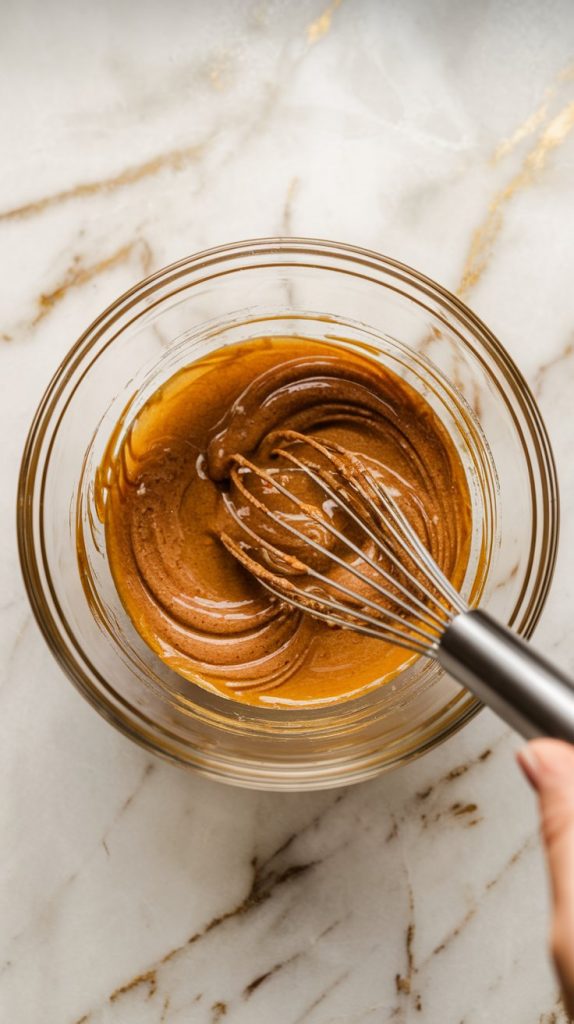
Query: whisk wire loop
pixel 417 609
pixel 400 528
pixel 290 588
pixel 426 612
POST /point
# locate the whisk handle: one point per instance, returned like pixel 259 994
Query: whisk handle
pixel 503 671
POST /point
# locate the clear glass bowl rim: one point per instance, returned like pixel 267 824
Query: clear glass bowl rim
pixel 282 247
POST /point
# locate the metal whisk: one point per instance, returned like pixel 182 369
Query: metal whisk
pixel 384 583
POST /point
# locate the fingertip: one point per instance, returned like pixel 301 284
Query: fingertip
pixel 528 762
pixel 545 762
pixel 551 761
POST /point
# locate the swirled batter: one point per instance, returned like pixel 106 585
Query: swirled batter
pixel 164 496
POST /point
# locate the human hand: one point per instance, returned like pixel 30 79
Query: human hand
pixel 549 767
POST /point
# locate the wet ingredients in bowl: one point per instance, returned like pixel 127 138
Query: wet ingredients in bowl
pixel 364 310
pixel 166 493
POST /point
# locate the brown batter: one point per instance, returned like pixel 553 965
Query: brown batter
pixel 163 499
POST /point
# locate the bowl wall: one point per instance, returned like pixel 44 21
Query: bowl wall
pixel 319 290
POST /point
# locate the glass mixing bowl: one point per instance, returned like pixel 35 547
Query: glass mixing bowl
pixel 322 290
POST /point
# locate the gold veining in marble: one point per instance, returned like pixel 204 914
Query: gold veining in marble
pixel 562 356
pixel 79 274
pixel 174 159
pixel 321 25
pixel 486 234
pixel 536 118
pixel 45 914
pixel 220 71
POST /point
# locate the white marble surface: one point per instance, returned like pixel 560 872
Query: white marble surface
pixel 441 133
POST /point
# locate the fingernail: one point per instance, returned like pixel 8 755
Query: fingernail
pixel 530 764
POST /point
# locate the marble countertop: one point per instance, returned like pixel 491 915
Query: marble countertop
pixel 441 133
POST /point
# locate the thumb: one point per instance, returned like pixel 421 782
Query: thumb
pixel 549 766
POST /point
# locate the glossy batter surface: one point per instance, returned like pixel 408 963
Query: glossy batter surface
pixel 165 497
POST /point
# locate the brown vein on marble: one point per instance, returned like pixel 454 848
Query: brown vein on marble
pixel 264 884
pixel 403 982
pixel 148 979
pixel 563 356
pixel 393 831
pixel 174 160
pixel 312 824
pixel 78 275
pixel 454 773
pixel 549 1018
pixel 16 645
pixel 459 811
pixel 148 770
pixel 260 891
pixel 262 978
pixel 536 118
pixel 331 927
pixel 11 603
pixel 218 1010
pixel 61 888
pixel 558 1015
pixel 164 1010
pixel 485 236
pixel 471 913
pixel 286 219
pixel 320 999
pixel 322 25
pixel 262 887
pixel 509 576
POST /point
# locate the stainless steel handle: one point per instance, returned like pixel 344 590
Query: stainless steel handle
pixel 503 671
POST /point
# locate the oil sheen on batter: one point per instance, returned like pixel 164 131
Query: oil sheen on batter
pixel 161 498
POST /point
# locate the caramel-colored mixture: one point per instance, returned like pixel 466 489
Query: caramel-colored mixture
pixel 165 500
